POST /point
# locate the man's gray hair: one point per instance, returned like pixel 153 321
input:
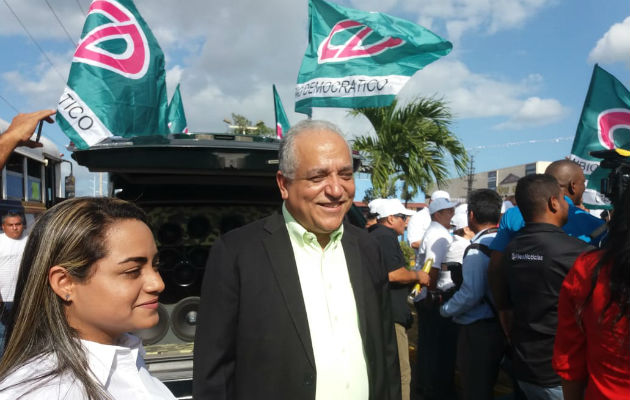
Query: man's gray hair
pixel 288 161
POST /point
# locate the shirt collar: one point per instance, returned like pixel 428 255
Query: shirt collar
pixel 481 233
pixel 101 357
pixel 298 233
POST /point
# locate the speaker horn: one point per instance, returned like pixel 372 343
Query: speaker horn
pixel 198 227
pixel 156 333
pixel 170 233
pixel 198 256
pixel 184 318
pixel 184 274
pixel 168 258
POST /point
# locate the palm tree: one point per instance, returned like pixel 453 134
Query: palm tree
pixel 412 143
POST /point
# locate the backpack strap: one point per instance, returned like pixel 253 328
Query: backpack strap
pixel 485 250
pixel 481 247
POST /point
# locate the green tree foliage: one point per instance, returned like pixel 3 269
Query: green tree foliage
pixel 242 125
pixel 412 143
pixel 384 192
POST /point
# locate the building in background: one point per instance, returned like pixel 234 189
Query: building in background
pixel 503 180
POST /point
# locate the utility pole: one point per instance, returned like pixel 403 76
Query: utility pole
pixel 471 175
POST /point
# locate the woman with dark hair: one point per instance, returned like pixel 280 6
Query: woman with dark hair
pixel 592 347
pixel 88 276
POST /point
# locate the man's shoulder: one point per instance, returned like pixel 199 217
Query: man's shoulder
pixel 549 239
pixel 584 217
pixel 437 231
pixel 254 229
pixel 512 219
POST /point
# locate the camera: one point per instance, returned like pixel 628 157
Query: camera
pixel 618 180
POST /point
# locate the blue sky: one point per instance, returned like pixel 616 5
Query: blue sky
pixel 515 80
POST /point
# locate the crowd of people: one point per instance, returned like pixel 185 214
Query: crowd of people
pixel 304 305
pixel 533 292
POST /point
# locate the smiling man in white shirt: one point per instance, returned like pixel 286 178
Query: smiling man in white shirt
pixel 296 306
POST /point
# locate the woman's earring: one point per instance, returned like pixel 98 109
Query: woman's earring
pixel 67 297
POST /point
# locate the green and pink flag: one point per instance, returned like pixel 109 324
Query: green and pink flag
pixel 282 122
pixel 603 125
pixel 360 59
pixel 116 85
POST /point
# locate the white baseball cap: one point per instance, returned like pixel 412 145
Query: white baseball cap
pixel 386 207
pixel 440 194
pixel 459 221
pixel 440 204
pixel 374 205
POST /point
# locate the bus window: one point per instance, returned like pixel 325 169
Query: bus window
pixel 15 177
pixel 34 171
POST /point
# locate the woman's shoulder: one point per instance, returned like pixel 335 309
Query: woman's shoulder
pixel 32 381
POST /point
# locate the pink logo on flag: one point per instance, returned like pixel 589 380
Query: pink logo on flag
pixel 353 47
pixel 134 62
pixel 608 122
pixel 278 130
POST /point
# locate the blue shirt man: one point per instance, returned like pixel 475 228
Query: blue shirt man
pixel 480 341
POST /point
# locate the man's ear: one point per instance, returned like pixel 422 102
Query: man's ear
pixel 283 183
pixel 61 282
pixel 571 187
pixel 553 204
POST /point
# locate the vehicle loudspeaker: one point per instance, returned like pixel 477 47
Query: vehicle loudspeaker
pixel 156 334
pixel 178 323
pixel 184 318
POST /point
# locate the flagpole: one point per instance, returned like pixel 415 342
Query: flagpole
pixel 275 107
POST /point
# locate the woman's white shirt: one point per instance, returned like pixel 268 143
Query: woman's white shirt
pixel 119 369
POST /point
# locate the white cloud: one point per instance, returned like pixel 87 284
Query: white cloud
pixel 461 16
pixel 614 45
pixel 474 95
pixel 40 85
pixel 535 112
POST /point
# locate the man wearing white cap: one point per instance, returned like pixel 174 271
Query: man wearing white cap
pixel 461 238
pixel 392 221
pixel 436 335
pixel 420 221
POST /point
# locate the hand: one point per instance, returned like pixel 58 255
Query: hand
pixel 23 125
pixel 423 278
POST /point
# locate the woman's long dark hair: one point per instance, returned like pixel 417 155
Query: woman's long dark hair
pixel 616 253
pixel 71 235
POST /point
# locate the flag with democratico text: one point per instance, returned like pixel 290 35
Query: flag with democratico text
pixel 116 85
pixel 176 116
pixel 282 122
pixel 603 125
pixel 360 59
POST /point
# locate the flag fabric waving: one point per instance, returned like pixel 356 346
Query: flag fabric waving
pixel 360 59
pixel 282 122
pixel 603 125
pixel 176 116
pixel 116 85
